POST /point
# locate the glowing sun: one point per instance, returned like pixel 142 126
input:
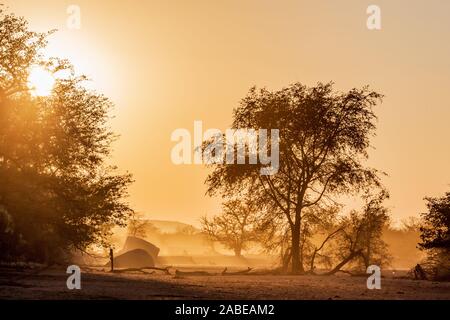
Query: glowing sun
pixel 40 82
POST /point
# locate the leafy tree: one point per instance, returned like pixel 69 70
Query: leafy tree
pixel 435 231
pixel 435 236
pixel 236 227
pixel 19 49
pixel 56 190
pixel 324 136
pixel 359 240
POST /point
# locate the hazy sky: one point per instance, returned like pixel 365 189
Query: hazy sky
pixel 168 63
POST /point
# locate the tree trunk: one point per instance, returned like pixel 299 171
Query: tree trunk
pixel 297 265
pixel 111 258
pixel 238 252
pixel 344 262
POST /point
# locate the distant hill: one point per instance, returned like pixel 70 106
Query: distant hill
pixel 171 226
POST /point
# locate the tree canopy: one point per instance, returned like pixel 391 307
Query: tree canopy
pixel 323 140
pixel 435 231
pixel 57 190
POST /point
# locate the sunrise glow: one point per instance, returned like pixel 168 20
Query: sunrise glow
pixel 41 82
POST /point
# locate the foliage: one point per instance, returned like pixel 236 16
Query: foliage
pixel 324 136
pixel 362 234
pixel 435 236
pixel 435 231
pixel 56 187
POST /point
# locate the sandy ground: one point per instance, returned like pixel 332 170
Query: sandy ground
pixel 51 284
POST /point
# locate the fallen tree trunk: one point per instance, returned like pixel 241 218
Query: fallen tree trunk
pixel 226 273
pixel 165 270
pixel 205 273
pixel 193 273
pixel 343 263
pixel 131 270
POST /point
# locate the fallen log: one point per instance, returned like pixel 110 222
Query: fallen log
pixel 226 273
pixel 179 273
pixel 131 270
pixel 268 272
pixel 165 270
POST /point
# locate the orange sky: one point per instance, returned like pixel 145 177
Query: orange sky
pixel 168 63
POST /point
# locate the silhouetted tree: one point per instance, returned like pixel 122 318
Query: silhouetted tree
pixel 235 227
pixel 323 140
pixel 56 192
pixel 138 225
pixel 435 236
pixel 435 230
pixel 359 240
pixel 19 49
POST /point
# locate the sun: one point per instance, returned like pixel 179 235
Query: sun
pixel 40 82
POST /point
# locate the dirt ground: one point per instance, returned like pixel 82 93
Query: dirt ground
pixel 97 284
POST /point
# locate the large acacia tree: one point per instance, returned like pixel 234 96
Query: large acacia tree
pixel 323 140
pixel 57 191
